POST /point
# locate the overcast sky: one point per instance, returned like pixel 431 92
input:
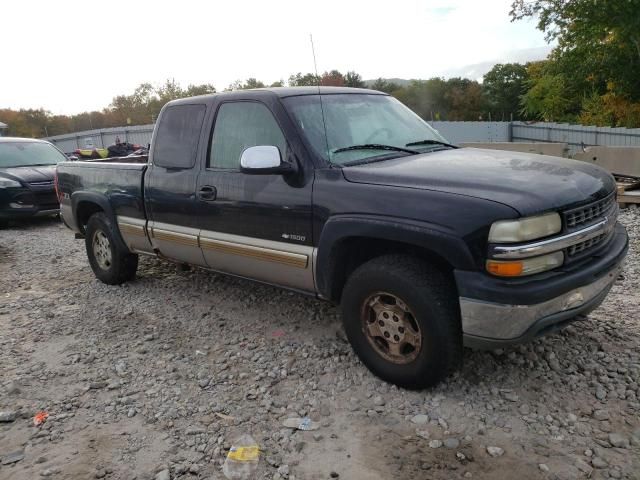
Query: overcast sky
pixel 72 56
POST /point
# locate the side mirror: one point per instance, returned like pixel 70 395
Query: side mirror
pixel 264 160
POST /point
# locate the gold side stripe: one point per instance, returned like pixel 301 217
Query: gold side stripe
pixel 287 258
pixel 131 229
pixel 188 240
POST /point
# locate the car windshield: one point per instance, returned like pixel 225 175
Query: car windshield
pixel 361 127
pixel 25 154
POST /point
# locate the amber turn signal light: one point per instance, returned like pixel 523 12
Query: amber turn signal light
pixel 526 266
pixel 505 269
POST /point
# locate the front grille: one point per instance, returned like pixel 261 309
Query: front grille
pixel 46 200
pixel 578 248
pixel 584 216
pixel 589 213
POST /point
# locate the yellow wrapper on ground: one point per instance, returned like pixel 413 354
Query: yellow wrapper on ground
pixel 244 454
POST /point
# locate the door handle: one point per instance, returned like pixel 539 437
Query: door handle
pixel 207 193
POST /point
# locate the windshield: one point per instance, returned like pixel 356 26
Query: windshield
pixel 368 121
pixel 24 154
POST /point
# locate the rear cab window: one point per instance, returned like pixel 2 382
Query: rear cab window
pixel 177 137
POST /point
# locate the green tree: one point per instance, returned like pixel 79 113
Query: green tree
pixel 137 107
pixel 383 85
pixel 598 47
pixel 252 83
pixel 306 80
pixel 170 90
pixel 203 89
pixel 586 23
pixel 29 123
pixel 503 86
pixel 354 80
pixel 547 97
pixel 609 110
pixel 246 85
pixel 464 100
pixel 425 97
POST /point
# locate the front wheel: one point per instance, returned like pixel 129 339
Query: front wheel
pixel 110 259
pixel 402 319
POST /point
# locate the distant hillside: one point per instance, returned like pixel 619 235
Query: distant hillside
pixel 477 70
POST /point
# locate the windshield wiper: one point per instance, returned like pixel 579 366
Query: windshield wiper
pixel 429 142
pixel 375 146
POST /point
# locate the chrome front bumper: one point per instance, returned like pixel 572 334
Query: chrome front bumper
pixel 488 324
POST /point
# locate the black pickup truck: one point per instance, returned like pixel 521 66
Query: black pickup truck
pixel 347 195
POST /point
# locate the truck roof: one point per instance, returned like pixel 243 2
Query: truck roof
pixel 292 91
pixel 282 92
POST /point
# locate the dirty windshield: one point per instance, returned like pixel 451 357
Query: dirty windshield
pixel 28 154
pixel 360 127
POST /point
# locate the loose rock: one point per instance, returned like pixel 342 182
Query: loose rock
pixel 495 451
pixel 420 419
pixel 13 457
pixel 7 416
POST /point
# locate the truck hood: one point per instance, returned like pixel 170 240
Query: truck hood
pixel 529 183
pixel 33 174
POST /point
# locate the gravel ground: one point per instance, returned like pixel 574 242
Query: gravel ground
pixel 156 378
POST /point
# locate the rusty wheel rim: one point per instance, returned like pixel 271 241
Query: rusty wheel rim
pixel 391 328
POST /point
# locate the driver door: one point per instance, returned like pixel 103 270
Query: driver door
pixel 255 226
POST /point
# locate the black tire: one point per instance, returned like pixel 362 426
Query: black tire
pixel 428 298
pixel 109 257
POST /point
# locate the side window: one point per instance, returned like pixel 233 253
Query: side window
pixel 177 137
pixel 240 125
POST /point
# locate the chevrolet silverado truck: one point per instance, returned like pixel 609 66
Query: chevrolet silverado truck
pixel 347 195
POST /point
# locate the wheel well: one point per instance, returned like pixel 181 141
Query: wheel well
pixel 84 210
pixel 352 252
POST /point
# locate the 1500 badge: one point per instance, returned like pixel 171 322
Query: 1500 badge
pixel 289 236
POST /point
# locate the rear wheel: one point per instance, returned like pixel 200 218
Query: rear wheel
pixel 402 319
pixel 110 259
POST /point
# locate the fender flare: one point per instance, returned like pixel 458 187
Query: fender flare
pixel 90 197
pixel 434 238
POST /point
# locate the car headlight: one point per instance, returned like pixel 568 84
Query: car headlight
pixel 526 266
pixel 529 228
pixel 7 182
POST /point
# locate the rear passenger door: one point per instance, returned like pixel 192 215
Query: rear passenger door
pixel 256 226
pixel 171 183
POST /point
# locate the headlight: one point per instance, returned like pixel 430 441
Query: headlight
pixel 7 182
pixel 510 231
pixel 526 266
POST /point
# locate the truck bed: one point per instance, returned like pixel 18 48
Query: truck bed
pixel 118 182
pixel 127 159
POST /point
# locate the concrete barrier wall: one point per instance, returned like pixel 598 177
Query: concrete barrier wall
pixel 618 160
pixel 554 149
